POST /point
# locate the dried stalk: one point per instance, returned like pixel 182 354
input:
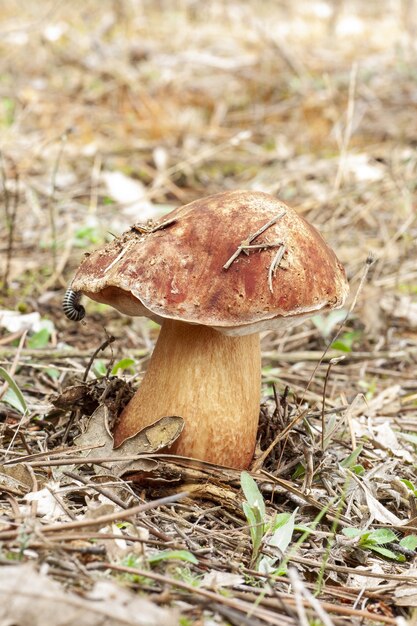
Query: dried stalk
pixel 246 243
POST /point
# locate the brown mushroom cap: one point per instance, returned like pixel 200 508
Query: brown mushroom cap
pixel 177 271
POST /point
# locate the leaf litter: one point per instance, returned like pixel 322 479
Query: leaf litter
pixel 30 598
pixel 98 443
pixel 313 102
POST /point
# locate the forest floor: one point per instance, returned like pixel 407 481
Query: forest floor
pixel 113 113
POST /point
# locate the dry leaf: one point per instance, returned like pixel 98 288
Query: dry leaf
pixel 378 511
pixel 384 435
pixel 132 193
pixel 15 479
pixel 149 440
pixel 98 508
pixel 403 308
pixel 117 549
pixel 362 581
pixel 364 168
pixel 381 400
pixel 163 433
pixel 406 595
pixel 46 504
pixel 215 579
pixel 13 321
pixel 29 598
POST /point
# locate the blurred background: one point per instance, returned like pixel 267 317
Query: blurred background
pixel 114 112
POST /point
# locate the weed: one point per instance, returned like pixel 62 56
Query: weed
pixel 346 340
pixel 326 324
pixel 275 534
pixel 376 540
pixel 124 365
pixel 184 574
pixel 350 462
pixel 87 235
pixel 411 486
pixel 100 368
pixel 40 339
pixel 12 394
pixel 168 555
pixel 135 561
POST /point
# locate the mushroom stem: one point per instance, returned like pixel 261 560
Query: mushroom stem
pixel 209 379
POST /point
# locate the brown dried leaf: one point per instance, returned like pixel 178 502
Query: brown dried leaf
pixel 15 479
pixel 149 440
pixel 163 433
pixel 406 595
pixel 364 582
pixel 29 598
pixel 378 511
pixel 71 396
pixel 216 579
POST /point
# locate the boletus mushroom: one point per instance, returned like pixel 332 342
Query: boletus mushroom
pixel 213 274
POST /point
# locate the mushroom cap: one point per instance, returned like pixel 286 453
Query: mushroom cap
pixel 177 271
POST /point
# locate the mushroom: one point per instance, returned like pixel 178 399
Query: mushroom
pixel 213 274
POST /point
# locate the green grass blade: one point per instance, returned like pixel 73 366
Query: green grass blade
pixel 13 386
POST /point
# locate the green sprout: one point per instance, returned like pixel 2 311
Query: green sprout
pixel 274 534
pixel 377 540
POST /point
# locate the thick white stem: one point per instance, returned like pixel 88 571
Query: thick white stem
pixel 209 379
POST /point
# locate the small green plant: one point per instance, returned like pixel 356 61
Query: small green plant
pixel 299 471
pixel 326 324
pixel 345 342
pixel 39 339
pixel 369 388
pixel 171 555
pixel 13 395
pixel 407 288
pixel 376 541
pixel 7 111
pixel 275 534
pixel 409 542
pixel 53 373
pixel 350 462
pixel 186 575
pixel 411 486
pixel 254 510
pixel 132 560
pixel 135 561
pixel 278 539
pixel 124 365
pixel 99 368
pixel 87 235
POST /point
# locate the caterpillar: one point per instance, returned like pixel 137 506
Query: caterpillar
pixel 72 307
